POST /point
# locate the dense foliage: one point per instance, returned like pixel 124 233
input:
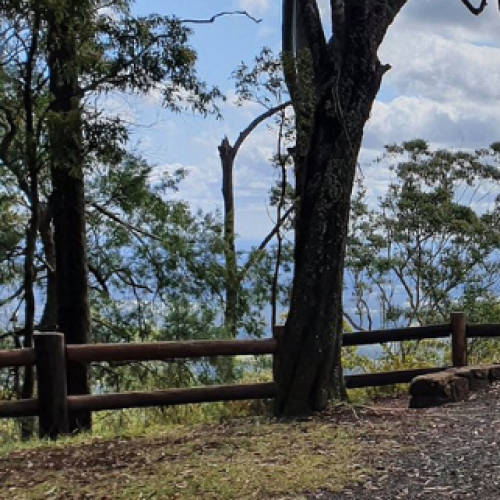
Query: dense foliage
pixel 156 269
pixel 428 245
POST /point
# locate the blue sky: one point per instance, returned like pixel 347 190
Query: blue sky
pixel 222 45
pixel 226 42
pixel 444 86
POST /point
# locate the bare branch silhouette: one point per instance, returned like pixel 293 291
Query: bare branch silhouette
pixel 475 10
pixel 221 14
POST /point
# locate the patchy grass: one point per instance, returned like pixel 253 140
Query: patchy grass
pixel 251 458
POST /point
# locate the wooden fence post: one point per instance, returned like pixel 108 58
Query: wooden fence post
pixel 50 352
pixel 458 339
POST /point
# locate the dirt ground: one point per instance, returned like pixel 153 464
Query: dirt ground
pixel 380 451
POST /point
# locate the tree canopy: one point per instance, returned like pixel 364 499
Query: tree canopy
pixel 429 241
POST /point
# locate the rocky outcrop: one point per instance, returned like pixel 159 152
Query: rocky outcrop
pixel 451 385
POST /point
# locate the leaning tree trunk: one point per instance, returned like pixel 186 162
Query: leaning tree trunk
pixel 346 76
pixel 67 201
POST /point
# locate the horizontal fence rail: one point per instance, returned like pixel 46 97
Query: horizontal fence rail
pixel 483 330
pixel 50 355
pixel 19 408
pixel 372 337
pixel 161 351
pixel 396 335
pixel 17 357
pixel 387 378
pixel 171 397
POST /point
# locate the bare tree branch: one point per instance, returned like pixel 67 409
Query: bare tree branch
pixel 353 323
pixel 338 27
pixel 289 42
pixel 221 14
pixel 314 34
pixel 99 277
pixel 257 253
pixel 476 10
pixel 116 218
pixel 11 297
pixel 248 130
pixel 127 277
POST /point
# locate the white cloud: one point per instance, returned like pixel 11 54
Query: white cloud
pixel 451 19
pixel 254 7
pixel 443 86
pixel 199 187
pixel 441 68
pixel 442 124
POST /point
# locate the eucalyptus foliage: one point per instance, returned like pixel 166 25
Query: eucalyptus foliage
pixel 426 246
pixel 58 59
pixel 431 239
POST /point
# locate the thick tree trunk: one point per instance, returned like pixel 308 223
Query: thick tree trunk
pixel 309 355
pixel 72 293
pixel 346 76
pixel 67 198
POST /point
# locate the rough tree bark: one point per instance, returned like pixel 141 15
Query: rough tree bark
pixel 67 198
pixel 344 74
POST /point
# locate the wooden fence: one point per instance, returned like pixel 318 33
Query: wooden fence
pixel 50 355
